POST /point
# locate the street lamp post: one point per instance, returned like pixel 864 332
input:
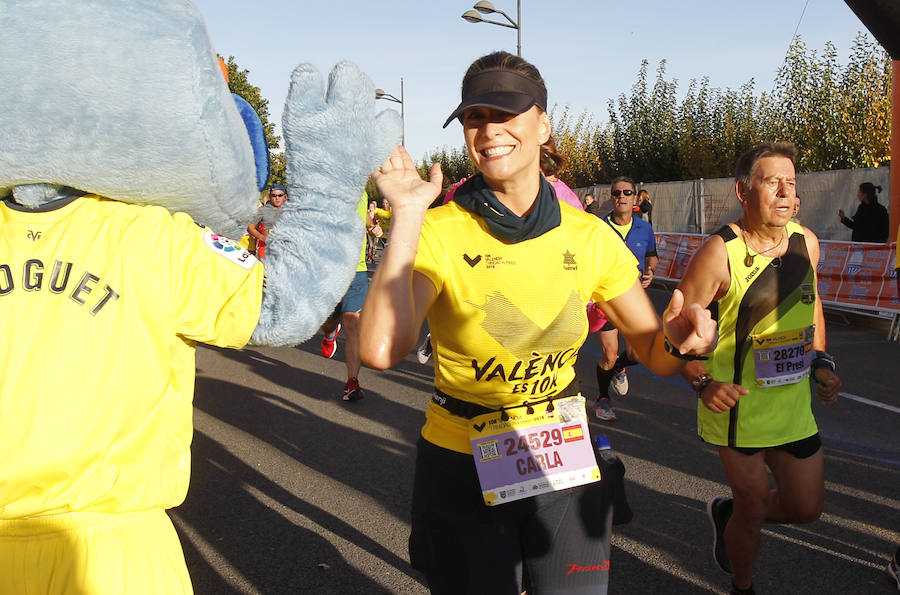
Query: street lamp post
pixel 380 94
pixel 485 7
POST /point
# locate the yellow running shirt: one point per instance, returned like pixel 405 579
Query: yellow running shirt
pixel 101 303
pixel 383 216
pixel 362 209
pixel 509 318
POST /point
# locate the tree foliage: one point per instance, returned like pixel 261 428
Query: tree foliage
pixel 239 84
pixel 575 141
pixel 838 116
pixel 455 163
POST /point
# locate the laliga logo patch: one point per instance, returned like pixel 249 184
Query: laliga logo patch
pixel 229 249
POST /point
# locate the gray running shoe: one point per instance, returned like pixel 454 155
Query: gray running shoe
pixel 604 411
pixel 719 511
pixel 620 383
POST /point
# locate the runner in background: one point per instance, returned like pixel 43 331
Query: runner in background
pixel 638 236
pixel 346 316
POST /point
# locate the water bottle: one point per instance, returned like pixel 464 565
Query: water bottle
pixel 612 473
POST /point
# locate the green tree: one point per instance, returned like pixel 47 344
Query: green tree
pixel 838 117
pixel 455 165
pixel 239 84
pixel 866 86
pixel 644 129
pixel 575 141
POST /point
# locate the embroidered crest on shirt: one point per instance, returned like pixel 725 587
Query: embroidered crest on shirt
pixel 807 293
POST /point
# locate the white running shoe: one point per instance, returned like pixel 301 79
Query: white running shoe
pixel 620 383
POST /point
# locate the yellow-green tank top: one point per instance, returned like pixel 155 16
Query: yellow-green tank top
pixel 770 302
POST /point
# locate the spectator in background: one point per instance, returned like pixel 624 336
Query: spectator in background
pixel 870 222
pixel 452 190
pixel 266 216
pixel 645 206
pixel 591 205
pixel 383 217
pixel 374 233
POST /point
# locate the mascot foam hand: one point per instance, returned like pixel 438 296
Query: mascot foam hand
pixel 333 141
pixel 126 100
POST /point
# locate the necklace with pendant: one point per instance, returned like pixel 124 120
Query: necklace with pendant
pixel 748 257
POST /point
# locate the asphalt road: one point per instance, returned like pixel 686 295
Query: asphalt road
pixel 295 491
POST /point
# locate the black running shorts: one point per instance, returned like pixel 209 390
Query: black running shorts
pixel 555 543
pixel 799 449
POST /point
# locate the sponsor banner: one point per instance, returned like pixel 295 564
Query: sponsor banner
pixel 852 274
pixel 830 272
pixel 889 299
pixel 686 249
pixel 863 279
pixel 666 248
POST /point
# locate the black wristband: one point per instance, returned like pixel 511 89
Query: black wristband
pixel 672 350
pixel 822 359
pixel 700 387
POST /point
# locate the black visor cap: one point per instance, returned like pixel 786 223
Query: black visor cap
pixel 505 90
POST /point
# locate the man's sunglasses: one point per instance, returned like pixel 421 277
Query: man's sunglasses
pixel 282 195
pixel 621 192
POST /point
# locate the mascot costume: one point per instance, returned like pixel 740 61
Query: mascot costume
pixel 123 156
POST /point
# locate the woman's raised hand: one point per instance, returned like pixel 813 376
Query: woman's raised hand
pixel 399 181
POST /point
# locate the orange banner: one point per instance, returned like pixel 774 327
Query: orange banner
pixel 849 273
pixel 666 248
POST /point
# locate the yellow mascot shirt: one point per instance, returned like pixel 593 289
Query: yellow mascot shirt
pixel 509 318
pixel 101 303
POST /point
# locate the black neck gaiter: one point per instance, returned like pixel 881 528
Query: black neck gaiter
pixel 475 197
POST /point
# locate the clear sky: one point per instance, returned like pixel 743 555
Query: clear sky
pixel 589 51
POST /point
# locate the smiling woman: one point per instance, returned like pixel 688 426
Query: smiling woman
pixel 503 273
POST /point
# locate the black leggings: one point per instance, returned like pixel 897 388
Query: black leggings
pixel 556 543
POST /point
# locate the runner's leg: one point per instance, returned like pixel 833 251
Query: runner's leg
pixel 749 481
pixel 799 494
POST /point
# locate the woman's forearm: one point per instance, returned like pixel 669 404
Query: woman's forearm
pixel 391 319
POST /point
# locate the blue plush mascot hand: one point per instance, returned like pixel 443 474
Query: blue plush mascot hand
pixel 333 140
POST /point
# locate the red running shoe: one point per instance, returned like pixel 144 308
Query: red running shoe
pixel 352 392
pixel 329 346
